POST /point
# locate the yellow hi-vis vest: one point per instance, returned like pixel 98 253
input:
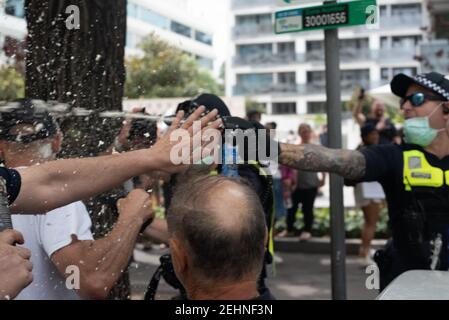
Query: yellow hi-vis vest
pixel 419 173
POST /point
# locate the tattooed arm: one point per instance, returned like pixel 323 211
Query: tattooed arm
pixel 349 164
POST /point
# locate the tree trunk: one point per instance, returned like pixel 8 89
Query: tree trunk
pixel 85 68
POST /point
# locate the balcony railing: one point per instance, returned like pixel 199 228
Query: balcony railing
pixel 267 88
pixel 395 54
pixel 357 55
pixel 312 88
pixel 401 21
pixel 347 86
pixel 346 54
pixel 238 4
pixel 253 30
pixel 266 58
pixel 317 56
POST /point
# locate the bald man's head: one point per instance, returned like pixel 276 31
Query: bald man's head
pixel 220 223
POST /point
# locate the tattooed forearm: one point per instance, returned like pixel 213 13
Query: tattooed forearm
pixel 349 164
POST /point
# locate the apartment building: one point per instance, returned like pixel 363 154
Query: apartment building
pixel 167 19
pixel 285 73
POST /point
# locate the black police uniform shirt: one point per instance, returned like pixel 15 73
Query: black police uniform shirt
pixel 385 164
pixel 13 183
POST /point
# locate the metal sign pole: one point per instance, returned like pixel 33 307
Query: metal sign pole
pixel 333 92
pixel 330 16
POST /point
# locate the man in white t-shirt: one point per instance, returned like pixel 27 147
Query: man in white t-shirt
pixel 67 262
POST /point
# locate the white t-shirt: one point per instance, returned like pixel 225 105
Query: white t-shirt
pixel 44 235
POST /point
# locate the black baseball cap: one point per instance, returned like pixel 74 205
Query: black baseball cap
pixel 210 101
pixel 26 111
pixel 433 81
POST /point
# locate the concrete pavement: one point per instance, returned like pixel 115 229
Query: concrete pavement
pixel 298 276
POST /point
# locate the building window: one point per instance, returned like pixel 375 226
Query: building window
pixel 315 76
pixel 353 78
pixel 252 25
pixel 181 29
pixel 203 37
pixel 129 43
pixel 408 71
pixel 132 40
pixel 385 74
pixel 412 9
pixel 314 46
pixel 15 8
pixel 287 78
pixel 255 83
pixel 358 43
pixel 253 19
pixel 316 107
pixel 148 16
pixel 132 10
pixel 406 41
pixel 284 108
pixel 155 19
pixel 205 62
pixel 256 79
pixel 384 43
pixel 286 48
pixel 355 75
pixel 286 52
pixel 254 51
pixel 383 11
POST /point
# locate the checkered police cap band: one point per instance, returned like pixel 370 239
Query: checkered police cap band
pixel 433 81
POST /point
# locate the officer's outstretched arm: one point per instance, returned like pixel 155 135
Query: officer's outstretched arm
pixel 347 163
pixel 58 183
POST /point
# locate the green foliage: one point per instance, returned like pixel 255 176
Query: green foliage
pixel 159 212
pixel 366 103
pixel 353 223
pixel 165 71
pixel 320 119
pixel 12 83
pixel 254 105
pixel 391 111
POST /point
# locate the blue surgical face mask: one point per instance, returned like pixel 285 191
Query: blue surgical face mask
pixel 418 130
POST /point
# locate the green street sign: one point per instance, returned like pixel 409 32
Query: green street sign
pixel 326 16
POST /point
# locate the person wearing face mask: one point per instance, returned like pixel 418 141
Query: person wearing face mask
pixel 414 176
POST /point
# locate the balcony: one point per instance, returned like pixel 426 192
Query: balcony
pixel 347 86
pixel 401 21
pixel 404 54
pixel 356 55
pixel 239 4
pixel 346 55
pixel 312 88
pixel 268 59
pixel 267 88
pixel 439 6
pixel 253 30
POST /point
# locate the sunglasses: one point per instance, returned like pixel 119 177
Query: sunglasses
pixel 418 99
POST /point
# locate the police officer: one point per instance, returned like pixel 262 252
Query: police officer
pixel 415 175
